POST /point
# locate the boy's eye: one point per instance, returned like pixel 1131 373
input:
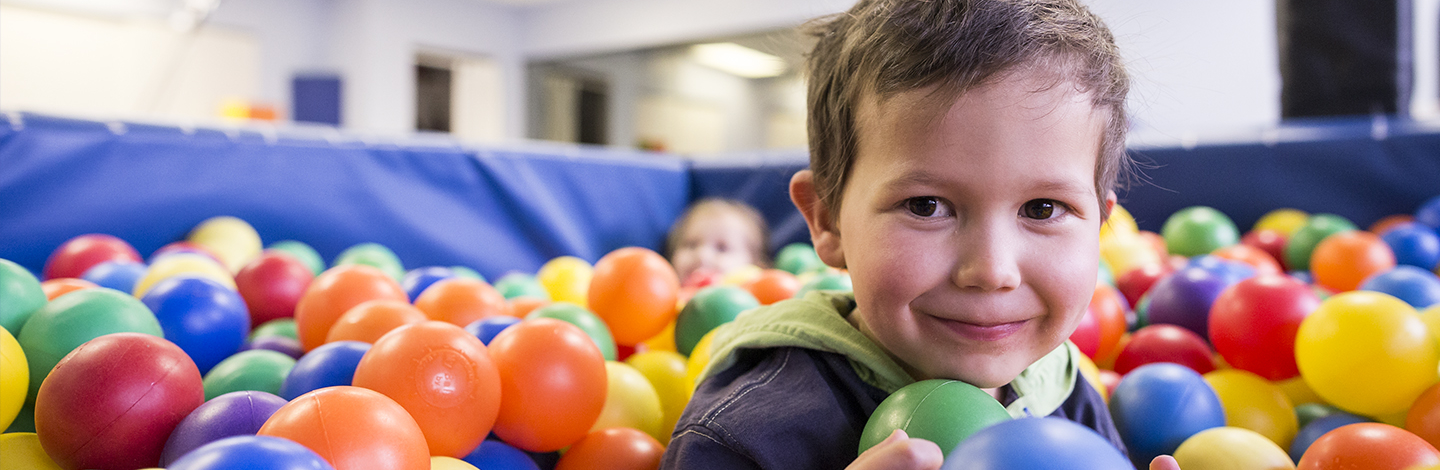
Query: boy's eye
pixel 1038 209
pixel 923 206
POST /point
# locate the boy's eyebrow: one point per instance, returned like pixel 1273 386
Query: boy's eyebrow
pixel 923 178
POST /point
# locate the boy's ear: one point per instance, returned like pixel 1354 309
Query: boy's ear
pixel 824 234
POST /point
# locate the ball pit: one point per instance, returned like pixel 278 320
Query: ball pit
pixel 945 412
pixel 232 414
pixel 113 401
pixel 443 376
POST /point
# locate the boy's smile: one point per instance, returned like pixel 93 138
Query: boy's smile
pixel 970 225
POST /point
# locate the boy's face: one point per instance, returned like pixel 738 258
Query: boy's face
pixel 970 228
pixel 717 240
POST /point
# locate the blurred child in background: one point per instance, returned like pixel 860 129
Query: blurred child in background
pixel 715 236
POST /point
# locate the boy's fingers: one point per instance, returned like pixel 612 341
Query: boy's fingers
pixel 1164 462
pixel 899 452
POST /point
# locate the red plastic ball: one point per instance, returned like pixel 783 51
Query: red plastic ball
pixel 1134 283
pixel 1165 343
pixel 613 449
pixel 1253 324
pixel 552 384
pixel 1369 445
pixel 1424 416
pixel 353 429
pixel 443 376
pixel 1087 334
pixel 1272 242
pixel 634 290
pixel 272 285
pixel 78 254
pixel 113 401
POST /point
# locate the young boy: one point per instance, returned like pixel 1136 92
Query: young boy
pixel 962 159
pixel 715 236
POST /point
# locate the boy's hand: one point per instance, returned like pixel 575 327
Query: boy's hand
pixel 1164 462
pixel 900 452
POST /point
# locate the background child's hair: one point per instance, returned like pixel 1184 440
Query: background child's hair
pixel 760 252
pixel 883 47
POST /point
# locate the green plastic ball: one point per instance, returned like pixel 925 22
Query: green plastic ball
pixel 827 281
pixel 72 319
pixel 466 272
pixel 1308 412
pixel 1198 230
pixel 256 369
pixel 277 327
pixel 798 258
pixel 709 308
pixel 941 411
pixel 374 255
pixel 521 285
pixel 1304 240
pixel 1105 274
pixel 20 296
pixel 586 320
pixel 307 255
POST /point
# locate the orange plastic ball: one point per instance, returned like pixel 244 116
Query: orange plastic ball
pixel 773 285
pixel 1424 416
pixel 1344 260
pixel 352 428
pixel 1369 445
pixel 1108 306
pixel 443 376
pixel 522 306
pixel 335 292
pixel 634 290
pixel 552 384
pixel 1255 257
pixel 64 285
pixel 1389 221
pixel 461 300
pixel 613 449
pixel 370 320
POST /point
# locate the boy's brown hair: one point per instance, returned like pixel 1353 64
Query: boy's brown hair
pixel 883 47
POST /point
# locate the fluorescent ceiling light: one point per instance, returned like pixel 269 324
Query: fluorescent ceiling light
pixel 738 60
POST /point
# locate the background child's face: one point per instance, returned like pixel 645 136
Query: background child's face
pixel 971 228
pixel 716 239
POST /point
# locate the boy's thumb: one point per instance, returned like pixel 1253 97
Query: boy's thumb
pixel 895 436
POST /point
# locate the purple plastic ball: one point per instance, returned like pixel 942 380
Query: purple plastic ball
pixel 232 414
pixel 286 345
pixel 1184 299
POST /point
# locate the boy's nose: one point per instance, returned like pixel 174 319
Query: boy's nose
pixel 988 261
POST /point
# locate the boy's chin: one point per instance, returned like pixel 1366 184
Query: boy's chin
pixel 991 376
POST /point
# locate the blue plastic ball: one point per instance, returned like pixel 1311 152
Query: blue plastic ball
pixel 416 280
pixel 1157 406
pixel 1317 428
pixel 252 452
pixel 1429 213
pixel 1414 245
pixel 118 275
pixel 1231 271
pixel 232 414
pixel 1417 287
pixel 496 455
pixel 207 320
pixel 328 365
pixel 1050 443
pixel 486 329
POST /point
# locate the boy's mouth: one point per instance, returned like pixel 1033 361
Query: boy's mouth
pixel 983 332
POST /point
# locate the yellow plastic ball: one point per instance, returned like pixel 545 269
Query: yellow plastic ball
pixel 666 372
pixel 699 358
pixel 665 341
pixel 567 279
pixel 1124 253
pixel 741 275
pixel 1231 448
pixel 1120 223
pixel 14 378
pixel 630 402
pixel 1253 403
pixel 231 239
pixel 1091 373
pixel 1298 392
pixel 1431 317
pixel 440 462
pixel 1367 353
pixel 1285 221
pixel 22 451
pixel 189 264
